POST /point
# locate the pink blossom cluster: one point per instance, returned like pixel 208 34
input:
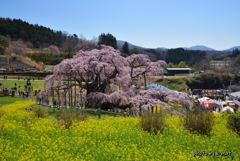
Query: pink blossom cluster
pixel 54 49
pixel 18 47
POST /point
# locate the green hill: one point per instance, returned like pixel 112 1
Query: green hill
pixel 37 35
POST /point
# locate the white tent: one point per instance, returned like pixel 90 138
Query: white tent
pixel 204 99
pixel 228 108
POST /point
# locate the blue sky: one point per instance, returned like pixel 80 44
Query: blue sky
pixel 151 23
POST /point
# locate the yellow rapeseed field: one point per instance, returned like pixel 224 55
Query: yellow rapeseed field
pixel 24 137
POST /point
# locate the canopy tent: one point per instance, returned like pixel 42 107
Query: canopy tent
pixel 206 102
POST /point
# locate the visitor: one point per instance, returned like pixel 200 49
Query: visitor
pixel 78 105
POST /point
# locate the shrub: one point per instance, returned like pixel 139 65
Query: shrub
pixel 67 116
pixel 199 121
pixel 233 123
pixel 153 122
pixel 238 112
pixel 40 111
pixel 25 121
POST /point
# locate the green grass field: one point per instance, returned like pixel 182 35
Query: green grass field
pixel 49 67
pixel 9 83
pixel 172 82
pixel 8 100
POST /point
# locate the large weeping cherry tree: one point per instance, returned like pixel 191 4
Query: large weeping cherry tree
pixel 102 77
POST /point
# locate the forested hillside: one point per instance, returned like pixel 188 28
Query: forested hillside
pixel 39 36
pixel 191 57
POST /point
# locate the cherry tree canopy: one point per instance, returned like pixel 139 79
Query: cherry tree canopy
pixel 107 77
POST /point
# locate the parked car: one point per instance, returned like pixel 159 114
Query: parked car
pixel 33 70
pixel 197 92
pixel 19 70
pixel 47 71
pixel 222 90
pixel 3 70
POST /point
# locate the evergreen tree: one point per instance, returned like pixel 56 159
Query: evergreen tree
pixel 235 53
pixel 107 39
pixel 125 48
pixel 4 44
pixel 134 51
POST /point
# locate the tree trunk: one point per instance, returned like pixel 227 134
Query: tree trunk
pixel 75 100
pixel 58 97
pixel 65 104
pixel 145 83
pixel 69 94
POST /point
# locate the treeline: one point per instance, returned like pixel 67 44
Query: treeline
pixel 191 57
pixel 212 80
pixel 49 58
pixel 39 36
pixel 156 54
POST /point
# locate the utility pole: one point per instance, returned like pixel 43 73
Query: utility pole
pixel 231 81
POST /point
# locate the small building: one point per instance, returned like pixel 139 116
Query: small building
pixel 234 95
pixel 178 70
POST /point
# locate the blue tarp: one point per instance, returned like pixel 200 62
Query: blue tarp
pixel 154 85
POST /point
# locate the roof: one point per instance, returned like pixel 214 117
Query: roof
pixel 235 94
pixel 178 68
pixel 236 102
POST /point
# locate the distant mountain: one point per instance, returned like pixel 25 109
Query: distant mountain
pixel 200 47
pixel 204 48
pixel 162 48
pixel 196 47
pixel 232 48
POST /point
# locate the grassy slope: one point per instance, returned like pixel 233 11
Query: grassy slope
pixel 173 82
